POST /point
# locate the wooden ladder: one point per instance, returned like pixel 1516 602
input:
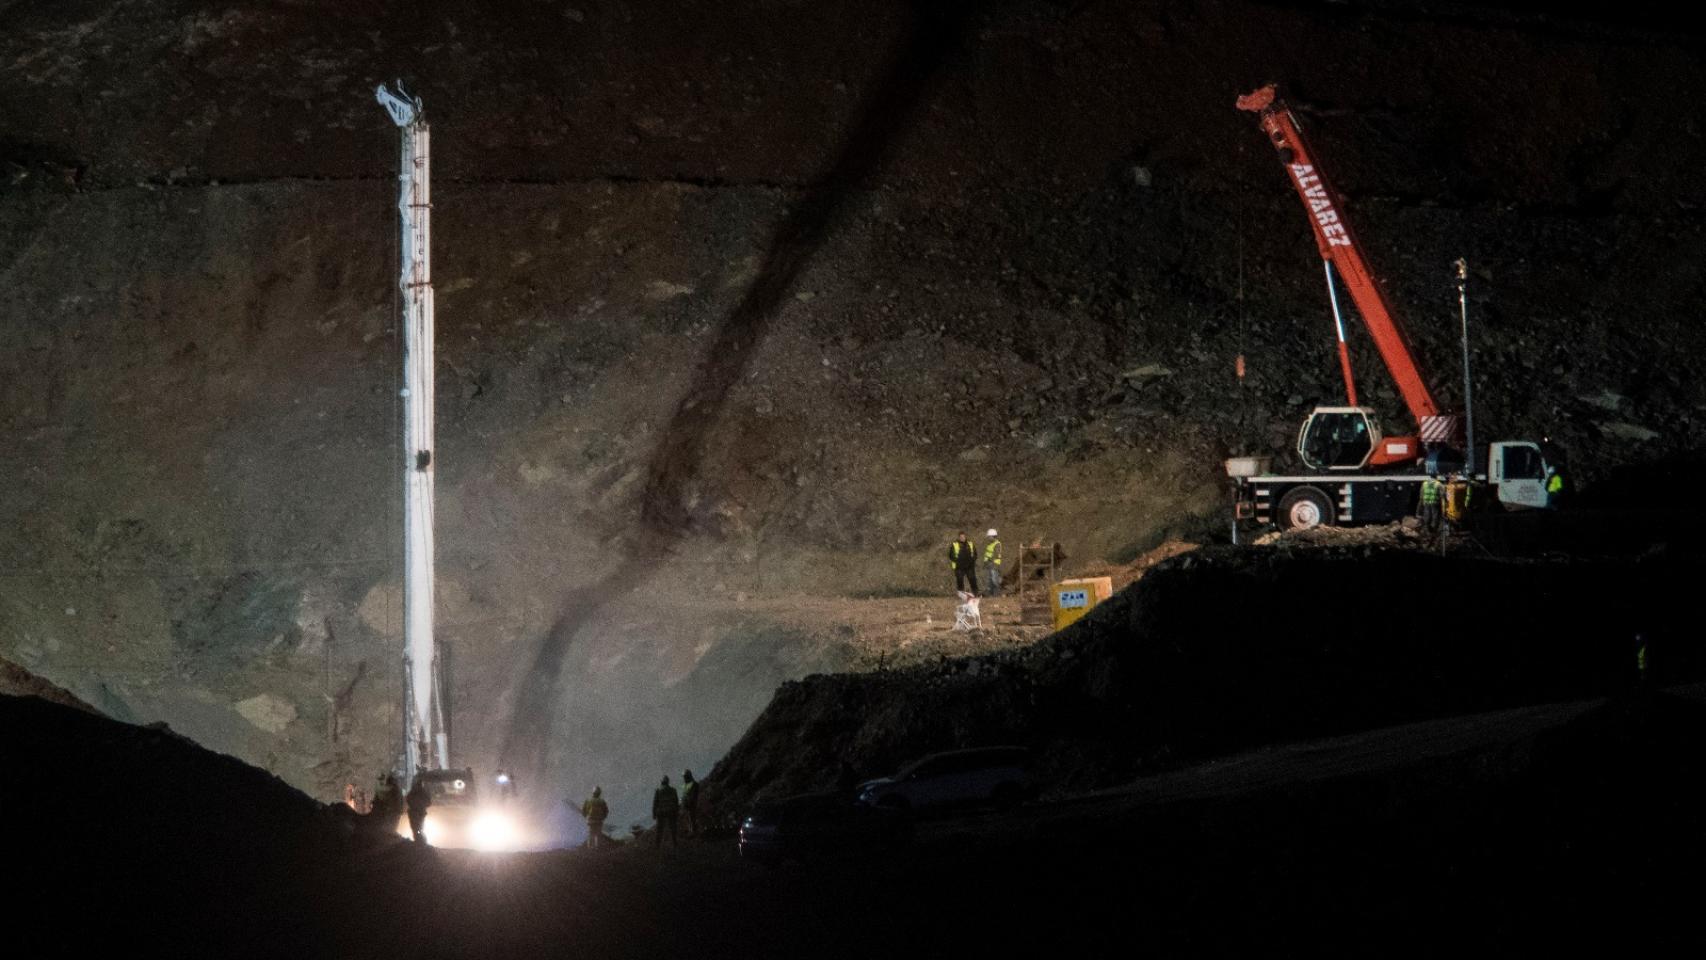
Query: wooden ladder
pixel 1036 578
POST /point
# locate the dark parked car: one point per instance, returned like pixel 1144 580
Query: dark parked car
pixel 814 824
pixel 959 778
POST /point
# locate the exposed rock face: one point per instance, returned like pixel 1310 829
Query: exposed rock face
pixel 268 712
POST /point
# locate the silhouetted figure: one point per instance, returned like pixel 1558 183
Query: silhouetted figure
pixel 419 799
pixel 690 802
pixel 665 806
pixel 387 803
pixel 596 811
pixel 505 782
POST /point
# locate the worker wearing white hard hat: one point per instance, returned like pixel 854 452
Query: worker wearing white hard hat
pixel 992 563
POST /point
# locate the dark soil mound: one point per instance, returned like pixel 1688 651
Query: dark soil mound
pixel 15 681
pixel 1226 649
pixel 124 833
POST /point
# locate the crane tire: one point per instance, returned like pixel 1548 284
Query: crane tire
pixel 1304 508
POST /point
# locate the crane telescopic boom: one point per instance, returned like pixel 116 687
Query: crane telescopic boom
pixel 1340 253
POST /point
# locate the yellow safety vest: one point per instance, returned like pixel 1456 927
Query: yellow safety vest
pixel 992 552
pixel 1456 500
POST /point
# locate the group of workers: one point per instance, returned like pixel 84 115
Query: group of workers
pixel 669 806
pixel 963 558
pixel 1446 497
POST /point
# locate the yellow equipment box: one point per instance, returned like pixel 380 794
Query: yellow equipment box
pixel 1071 599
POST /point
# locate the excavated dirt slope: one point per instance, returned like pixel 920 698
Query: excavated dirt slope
pixel 745 300
pixel 1223 649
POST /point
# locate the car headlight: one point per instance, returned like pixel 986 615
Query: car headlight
pixel 492 831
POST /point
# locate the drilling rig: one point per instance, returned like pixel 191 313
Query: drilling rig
pixel 457 816
pixel 426 730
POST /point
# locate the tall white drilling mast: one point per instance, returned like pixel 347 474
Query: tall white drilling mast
pixel 426 740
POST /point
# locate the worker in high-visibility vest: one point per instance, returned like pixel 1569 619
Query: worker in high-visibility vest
pixel 962 556
pixel 596 811
pixel 992 563
pixel 1432 491
pixel 1456 501
pixel 1554 486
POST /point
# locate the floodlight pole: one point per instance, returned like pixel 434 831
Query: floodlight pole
pixel 426 742
pixel 1468 381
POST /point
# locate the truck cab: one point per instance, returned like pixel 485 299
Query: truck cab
pixel 1520 469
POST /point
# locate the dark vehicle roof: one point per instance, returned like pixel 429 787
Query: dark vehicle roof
pixel 809 807
pixel 797 801
pixel 995 756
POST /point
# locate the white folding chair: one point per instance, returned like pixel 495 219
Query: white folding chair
pixel 966 615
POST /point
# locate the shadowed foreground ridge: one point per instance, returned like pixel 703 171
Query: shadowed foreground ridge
pixel 1494 826
pixel 1222 650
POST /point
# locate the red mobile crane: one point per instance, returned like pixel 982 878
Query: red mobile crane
pixel 1355 473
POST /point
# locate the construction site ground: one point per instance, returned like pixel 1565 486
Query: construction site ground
pixel 1528 828
pixel 888 632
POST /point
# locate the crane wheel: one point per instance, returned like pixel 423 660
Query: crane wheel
pixel 1304 508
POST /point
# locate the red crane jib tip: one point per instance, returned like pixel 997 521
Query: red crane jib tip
pixel 1258 100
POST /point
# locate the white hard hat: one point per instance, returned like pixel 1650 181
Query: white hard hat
pixel 991 532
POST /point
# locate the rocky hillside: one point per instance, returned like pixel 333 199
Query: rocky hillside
pixel 744 301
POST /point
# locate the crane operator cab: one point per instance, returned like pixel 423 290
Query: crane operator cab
pixel 1350 438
